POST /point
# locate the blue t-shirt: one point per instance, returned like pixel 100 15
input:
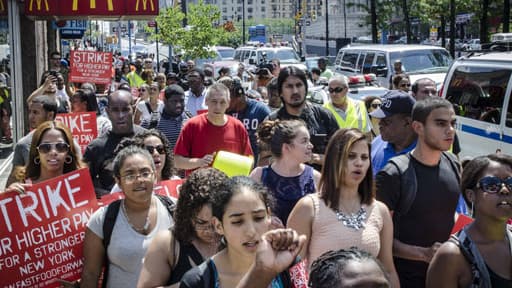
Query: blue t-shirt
pixel 382 151
pixel 251 117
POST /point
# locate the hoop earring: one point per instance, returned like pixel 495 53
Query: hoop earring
pixel 472 212
pixel 69 159
pixel 37 160
pixel 223 240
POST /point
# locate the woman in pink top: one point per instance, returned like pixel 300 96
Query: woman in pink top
pixel 344 213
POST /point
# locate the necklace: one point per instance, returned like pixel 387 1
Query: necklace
pixel 147 223
pixel 352 220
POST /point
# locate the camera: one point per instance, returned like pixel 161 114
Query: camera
pixel 265 69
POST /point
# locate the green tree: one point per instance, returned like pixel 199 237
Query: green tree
pixel 200 33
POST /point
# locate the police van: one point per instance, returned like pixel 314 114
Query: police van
pixel 480 86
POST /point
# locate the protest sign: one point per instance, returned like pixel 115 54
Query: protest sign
pixel 169 188
pixel 42 231
pixel 90 66
pixel 82 126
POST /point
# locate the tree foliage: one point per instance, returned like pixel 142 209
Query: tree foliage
pixel 200 33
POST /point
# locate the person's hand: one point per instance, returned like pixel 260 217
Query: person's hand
pixel 429 252
pixel 206 160
pixel 17 187
pixel 67 284
pixel 278 250
pixel 50 80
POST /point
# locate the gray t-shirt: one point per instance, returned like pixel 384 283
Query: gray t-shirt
pixel 127 247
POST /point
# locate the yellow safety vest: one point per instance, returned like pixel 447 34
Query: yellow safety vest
pixel 356 115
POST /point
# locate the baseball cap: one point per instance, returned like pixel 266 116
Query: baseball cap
pixel 172 75
pixel 394 102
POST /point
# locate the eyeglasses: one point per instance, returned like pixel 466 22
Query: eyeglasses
pixel 405 85
pixel 159 148
pixel 60 147
pixel 336 90
pixel 376 105
pixel 144 176
pixel 493 184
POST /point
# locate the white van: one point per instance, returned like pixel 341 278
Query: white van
pixel 418 61
pixel 480 87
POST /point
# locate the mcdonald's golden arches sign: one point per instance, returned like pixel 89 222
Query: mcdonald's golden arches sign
pixel 44 8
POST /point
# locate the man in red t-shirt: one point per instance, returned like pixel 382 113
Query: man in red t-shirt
pixel 205 134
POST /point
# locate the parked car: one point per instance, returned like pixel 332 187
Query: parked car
pixel 480 88
pixel 471 45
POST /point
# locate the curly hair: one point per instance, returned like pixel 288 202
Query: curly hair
pixel 327 270
pixel 138 140
pixel 33 170
pixel 198 190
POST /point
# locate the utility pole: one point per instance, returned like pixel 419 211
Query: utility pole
pixel 243 22
pixel 326 28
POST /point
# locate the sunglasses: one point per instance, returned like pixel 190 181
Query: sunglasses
pixel 60 147
pixel 159 148
pixel 493 184
pixel 143 90
pixel 376 106
pixel 405 85
pixel 336 90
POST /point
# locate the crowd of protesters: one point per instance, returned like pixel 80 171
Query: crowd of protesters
pixel 346 194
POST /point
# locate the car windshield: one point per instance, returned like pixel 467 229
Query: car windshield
pixel 226 53
pixel 423 61
pixel 286 56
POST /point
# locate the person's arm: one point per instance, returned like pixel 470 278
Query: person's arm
pixel 301 220
pixel 156 268
pixel 94 253
pixel 256 174
pixel 386 244
pixel 413 252
pixel 137 115
pixel 182 162
pixel 448 268
pixel 316 177
pixel 41 89
pixel 277 251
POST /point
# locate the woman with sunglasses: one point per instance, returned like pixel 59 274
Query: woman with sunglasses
pixel 402 82
pixel 148 111
pixel 373 103
pixel 480 254
pixel 141 216
pixel 192 239
pixel 50 155
pixel 158 147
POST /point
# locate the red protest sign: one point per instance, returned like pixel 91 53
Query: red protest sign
pixel 169 188
pixel 82 126
pixel 42 231
pixel 90 66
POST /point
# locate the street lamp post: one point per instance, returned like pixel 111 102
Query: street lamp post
pixel 345 17
pixel 326 28
pixel 243 22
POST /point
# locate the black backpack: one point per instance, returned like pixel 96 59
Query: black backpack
pixel 110 220
pixel 409 185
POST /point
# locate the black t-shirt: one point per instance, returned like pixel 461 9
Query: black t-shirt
pixel 430 217
pixel 318 121
pixel 99 155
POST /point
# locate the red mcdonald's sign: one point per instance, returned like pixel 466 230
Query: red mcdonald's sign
pixel 74 8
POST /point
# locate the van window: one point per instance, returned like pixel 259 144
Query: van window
pixel 423 61
pixel 368 62
pixel 479 92
pixel 238 55
pixel 349 60
pixel 360 61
